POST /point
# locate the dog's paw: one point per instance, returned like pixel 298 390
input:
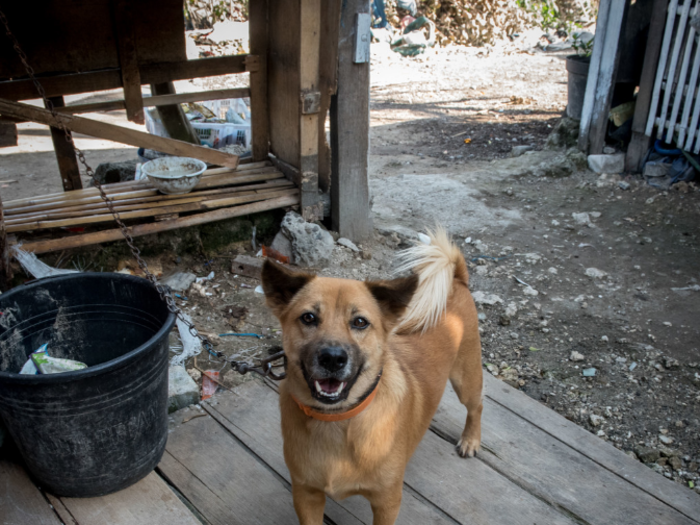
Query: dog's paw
pixel 467 448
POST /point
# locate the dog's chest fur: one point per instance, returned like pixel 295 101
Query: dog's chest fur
pixel 343 458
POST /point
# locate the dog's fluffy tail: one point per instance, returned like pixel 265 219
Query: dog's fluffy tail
pixel 437 265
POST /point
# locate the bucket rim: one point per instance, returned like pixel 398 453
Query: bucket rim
pixel 107 366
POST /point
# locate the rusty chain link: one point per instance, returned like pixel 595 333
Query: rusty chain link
pixel 264 367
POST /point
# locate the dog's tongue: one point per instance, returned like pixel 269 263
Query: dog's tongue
pixel 329 386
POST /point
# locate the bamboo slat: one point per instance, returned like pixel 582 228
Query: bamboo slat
pixel 87 239
pixel 151 212
pixel 152 200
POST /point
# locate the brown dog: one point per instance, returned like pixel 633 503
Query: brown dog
pixel 367 366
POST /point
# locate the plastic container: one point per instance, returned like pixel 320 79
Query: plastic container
pixel 101 429
pixel 212 134
pixel 218 135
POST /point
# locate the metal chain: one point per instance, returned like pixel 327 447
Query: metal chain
pixel 263 367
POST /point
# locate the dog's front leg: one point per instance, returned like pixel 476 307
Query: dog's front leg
pixel 386 504
pixel 309 504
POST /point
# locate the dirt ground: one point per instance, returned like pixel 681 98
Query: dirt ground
pixel 588 293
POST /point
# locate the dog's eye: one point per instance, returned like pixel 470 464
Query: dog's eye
pixel 309 319
pixel 360 323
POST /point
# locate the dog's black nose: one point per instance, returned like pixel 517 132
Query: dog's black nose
pixel 333 358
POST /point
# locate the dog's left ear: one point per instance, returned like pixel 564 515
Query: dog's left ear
pixel 281 285
pixel 393 296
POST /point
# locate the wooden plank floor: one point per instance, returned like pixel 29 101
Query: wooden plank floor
pixel 223 465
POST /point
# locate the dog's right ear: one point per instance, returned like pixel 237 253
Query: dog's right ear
pixel 281 285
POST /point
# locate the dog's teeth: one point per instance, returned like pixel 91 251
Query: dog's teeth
pixel 340 389
pixel 318 388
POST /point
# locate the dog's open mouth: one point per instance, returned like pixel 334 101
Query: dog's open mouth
pixel 330 388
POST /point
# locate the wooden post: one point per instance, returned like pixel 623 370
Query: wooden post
pixel 640 142
pixel 65 154
pixel 5 268
pixel 309 106
pixel 258 13
pixel 328 80
pixel 173 117
pixel 350 209
pixel 128 64
pixel 600 86
pixel 8 133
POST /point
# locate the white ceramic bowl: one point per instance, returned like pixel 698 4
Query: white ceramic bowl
pixel 174 175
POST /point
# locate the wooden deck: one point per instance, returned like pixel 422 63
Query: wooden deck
pixel 224 466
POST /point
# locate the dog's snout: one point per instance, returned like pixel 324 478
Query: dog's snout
pixel 333 358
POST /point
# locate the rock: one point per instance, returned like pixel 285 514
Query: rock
pixel 595 420
pixel 595 273
pixel 576 356
pixel 312 246
pixel 557 166
pixel 180 282
pixel 607 163
pixel 666 440
pixel 582 219
pixel 669 362
pixel 564 134
pixel 675 462
pixel 662 462
pixel 282 245
pixel 519 150
pixel 406 236
pixel 348 244
pixel 623 185
pixel 509 314
pixel 509 374
pixel 529 290
pixel 182 390
pixel 110 172
pixel 195 374
pixel 692 467
pixel 577 158
pixel 493 369
pixel 486 299
pixel 589 372
pixel 647 454
pixel 656 169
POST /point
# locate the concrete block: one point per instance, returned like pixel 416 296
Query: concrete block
pixel 180 282
pixel 182 390
pixel 247 266
pixel 657 169
pixel 607 163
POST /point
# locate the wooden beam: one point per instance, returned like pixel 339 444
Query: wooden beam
pixel 8 133
pixel 88 239
pixel 640 142
pixel 158 100
pixel 73 83
pixel 593 72
pixel 606 77
pixel 117 133
pixel 350 209
pixel 310 48
pixel 123 15
pixel 328 85
pixel 5 268
pixel 258 13
pixel 65 154
pixel 173 117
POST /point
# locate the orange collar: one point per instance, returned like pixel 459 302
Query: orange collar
pixel 340 416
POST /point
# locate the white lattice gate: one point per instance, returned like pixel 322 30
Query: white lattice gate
pixel 675 108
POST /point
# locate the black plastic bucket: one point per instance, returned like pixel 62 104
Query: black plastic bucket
pixel 97 430
pixel 577 68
